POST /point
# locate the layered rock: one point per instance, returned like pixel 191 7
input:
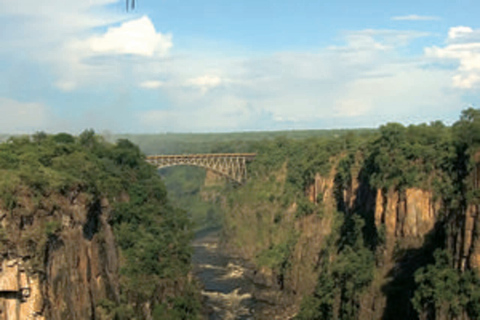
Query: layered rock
pixel 20 293
pixel 470 250
pixel 400 223
pixel 471 245
pixel 59 259
pixel 408 214
pixel 321 187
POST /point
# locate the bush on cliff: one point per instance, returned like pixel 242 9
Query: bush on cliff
pixel 446 291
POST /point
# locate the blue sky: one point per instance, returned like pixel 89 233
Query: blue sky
pixel 221 66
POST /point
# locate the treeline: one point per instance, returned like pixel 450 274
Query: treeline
pixel 153 237
pixel 179 143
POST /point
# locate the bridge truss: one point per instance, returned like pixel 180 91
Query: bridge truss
pixel 230 165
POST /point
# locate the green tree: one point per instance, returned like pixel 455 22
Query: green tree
pixel 445 292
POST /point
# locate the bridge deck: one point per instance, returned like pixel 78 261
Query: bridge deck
pixel 231 165
pixel 247 156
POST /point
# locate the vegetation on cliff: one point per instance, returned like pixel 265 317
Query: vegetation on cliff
pixel 341 282
pixel 446 292
pixel 309 213
pixel 421 284
pixel 363 267
pixel 153 237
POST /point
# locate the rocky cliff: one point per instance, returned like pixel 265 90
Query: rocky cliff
pixel 400 224
pixel 408 214
pixel 87 232
pixel 467 241
pixel 283 246
pixel 59 258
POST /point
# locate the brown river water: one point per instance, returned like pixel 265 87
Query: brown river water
pixel 227 291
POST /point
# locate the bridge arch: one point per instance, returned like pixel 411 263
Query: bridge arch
pixel 229 165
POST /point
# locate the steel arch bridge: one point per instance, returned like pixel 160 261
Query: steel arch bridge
pixel 230 165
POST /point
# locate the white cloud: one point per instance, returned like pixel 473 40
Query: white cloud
pixel 43 26
pixel 205 83
pixel 49 7
pixel 66 37
pixel 382 39
pixel 415 17
pixel 65 85
pixel 364 81
pixel 137 37
pixel 408 90
pixel 466 81
pixel 361 83
pixel 220 113
pixel 463 47
pixel 459 32
pixel 112 56
pixel 22 117
pixel 152 84
pixel 351 107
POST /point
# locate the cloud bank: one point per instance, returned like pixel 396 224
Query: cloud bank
pixel 463 48
pixel 415 17
pixel 363 82
pixel 125 73
pixel 21 117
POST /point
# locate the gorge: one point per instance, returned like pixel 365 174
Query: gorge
pixel 361 226
pixel 367 224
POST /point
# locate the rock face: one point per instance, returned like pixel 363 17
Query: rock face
pixel 470 250
pixel 20 294
pixel 312 232
pixel 260 226
pixel 408 214
pixel 471 246
pixel 323 187
pixel 401 225
pixel 59 259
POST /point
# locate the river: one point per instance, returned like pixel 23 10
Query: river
pixel 227 291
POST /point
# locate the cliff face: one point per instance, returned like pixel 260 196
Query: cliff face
pixel 469 250
pixel 59 259
pixel 312 233
pixel 410 214
pixel 471 246
pixel 20 294
pixel 258 228
pixel 402 218
pixel 55 238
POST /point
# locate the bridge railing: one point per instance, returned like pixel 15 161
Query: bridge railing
pixel 231 165
pixel 247 156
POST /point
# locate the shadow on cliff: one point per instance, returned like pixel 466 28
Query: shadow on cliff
pixel 360 201
pixel 400 289
pixel 92 225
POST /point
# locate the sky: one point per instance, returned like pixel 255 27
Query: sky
pixel 223 66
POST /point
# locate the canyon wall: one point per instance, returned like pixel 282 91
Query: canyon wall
pixel 467 244
pixel 59 259
pixel 399 227
pixel 257 229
